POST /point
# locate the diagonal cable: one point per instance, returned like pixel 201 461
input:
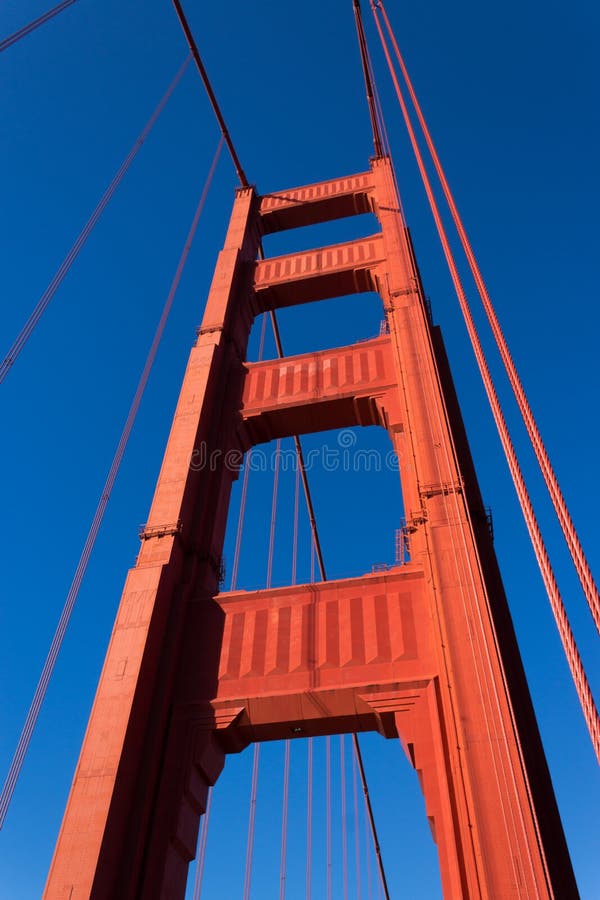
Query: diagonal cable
pixel 48 668
pixel 41 20
pixel 69 259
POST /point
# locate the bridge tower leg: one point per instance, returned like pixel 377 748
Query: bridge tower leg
pixel 425 652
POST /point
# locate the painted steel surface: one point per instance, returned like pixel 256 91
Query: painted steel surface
pixel 424 652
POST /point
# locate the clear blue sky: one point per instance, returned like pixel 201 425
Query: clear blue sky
pixel 511 93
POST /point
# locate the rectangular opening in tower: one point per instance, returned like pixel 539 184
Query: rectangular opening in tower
pixel 355 485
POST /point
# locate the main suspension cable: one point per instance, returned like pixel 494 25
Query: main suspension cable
pixel 363 779
pixel 209 90
pixel 576 551
pixel 368 859
pixel 364 57
pixel 27 29
pixel 67 262
pixel 57 640
pixel 244 181
pixel 568 640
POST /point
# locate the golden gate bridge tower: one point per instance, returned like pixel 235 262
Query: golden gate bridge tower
pixel 423 652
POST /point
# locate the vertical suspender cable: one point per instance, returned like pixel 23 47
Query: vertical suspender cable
pixel 328 814
pixel 273 513
pixel 309 804
pixel 286 763
pixel 251 823
pixel 240 527
pixel 300 457
pixel 560 614
pixel 254 787
pixel 202 848
pixel 263 333
pixel 284 818
pixel 344 819
pixel 566 523
pixel 67 262
pixel 27 29
pixel 243 499
pixel 42 686
pixel 296 515
pixel 234 576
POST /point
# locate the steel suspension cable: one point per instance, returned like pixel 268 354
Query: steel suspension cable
pixel 284 818
pixel 209 90
pixel 328 815
pixel 240 527
pixel 296 517
pixel 356 826
pixel 251 823
pixel 286 763
pixel 368 859
pixel 202 848
pixel 67 262
pixel 234 575
pixel 344 820
pixel 460 569
pixel 242 512
pixel 27 29
pixel 369 808
pixel 380 140
pixel 273 513
pixel 57 640
pixel 560 615
pixel 300 457
pixel 309 805
pixel 576 551
pixel 316 547
pixel 364 56
pixel 244 181
pixel 254 787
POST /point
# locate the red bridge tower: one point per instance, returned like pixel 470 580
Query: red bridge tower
pixel 425 652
